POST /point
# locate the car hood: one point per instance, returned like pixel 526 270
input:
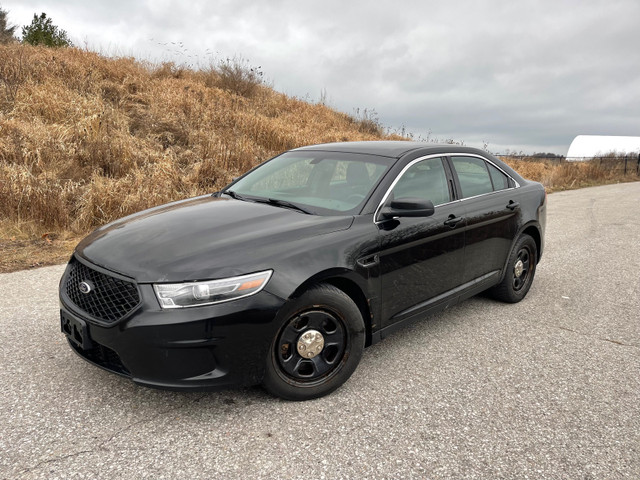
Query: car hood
pixel 201 238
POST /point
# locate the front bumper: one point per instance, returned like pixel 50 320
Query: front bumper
pixel 199 348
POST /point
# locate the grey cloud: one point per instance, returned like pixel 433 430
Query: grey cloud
pixel 529 74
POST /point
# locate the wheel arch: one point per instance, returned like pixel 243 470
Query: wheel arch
pixel 533 230
pixel 344 280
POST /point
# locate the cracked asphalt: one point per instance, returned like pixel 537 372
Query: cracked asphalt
pixel 547 388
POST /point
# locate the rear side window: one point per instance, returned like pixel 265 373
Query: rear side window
pixel 473 176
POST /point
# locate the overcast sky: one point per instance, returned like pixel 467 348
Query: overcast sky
pixel 518 75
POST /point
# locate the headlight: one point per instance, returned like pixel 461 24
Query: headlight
pixel 194 294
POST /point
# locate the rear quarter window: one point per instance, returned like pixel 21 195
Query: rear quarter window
pixel 500 180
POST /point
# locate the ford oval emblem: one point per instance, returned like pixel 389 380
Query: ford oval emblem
pixel 85 287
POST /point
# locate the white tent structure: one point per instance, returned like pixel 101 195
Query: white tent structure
pixel 589 146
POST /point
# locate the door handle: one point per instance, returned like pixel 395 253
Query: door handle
pixel 513 205
pixel 452 221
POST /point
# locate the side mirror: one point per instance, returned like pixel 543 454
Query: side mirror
pixel 408 207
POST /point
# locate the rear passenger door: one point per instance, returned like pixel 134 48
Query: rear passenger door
pixel 492 221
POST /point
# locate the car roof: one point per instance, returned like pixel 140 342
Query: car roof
pixel 398 148
pixel 388 148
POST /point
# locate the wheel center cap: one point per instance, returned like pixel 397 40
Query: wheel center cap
pixel 310 344
pixel 518 268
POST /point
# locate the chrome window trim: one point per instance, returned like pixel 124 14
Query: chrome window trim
pixel 442 156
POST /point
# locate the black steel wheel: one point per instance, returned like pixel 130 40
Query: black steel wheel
pixel 318 346
pixel 520 271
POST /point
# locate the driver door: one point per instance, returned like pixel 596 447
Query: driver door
pixel 421 259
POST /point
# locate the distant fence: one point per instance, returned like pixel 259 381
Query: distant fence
pixel 624 164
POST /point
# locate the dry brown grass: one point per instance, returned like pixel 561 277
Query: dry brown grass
pixel 20 251
pixel 562 175
pixel 86 139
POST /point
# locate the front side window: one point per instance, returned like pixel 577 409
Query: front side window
pixel 325 183
pixel 426 180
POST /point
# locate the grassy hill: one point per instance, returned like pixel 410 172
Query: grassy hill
pixel 86 139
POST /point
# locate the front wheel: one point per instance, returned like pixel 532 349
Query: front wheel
pixel 318 346
pixel 521 269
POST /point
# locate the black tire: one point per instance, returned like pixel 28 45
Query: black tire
pixel 322 309
pixel 521 269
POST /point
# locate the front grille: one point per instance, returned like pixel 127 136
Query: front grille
pixel 109 298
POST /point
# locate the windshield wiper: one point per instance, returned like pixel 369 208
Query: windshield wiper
pixel 270 201
pixel 284 203
pixel 234 195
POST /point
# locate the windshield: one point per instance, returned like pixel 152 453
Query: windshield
pixel 323 183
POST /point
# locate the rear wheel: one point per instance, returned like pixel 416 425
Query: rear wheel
pixel 318 346
pixel 521 269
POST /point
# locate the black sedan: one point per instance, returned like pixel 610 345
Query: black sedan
pixel 284 276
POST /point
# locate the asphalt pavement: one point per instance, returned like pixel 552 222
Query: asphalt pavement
pixel 547 388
